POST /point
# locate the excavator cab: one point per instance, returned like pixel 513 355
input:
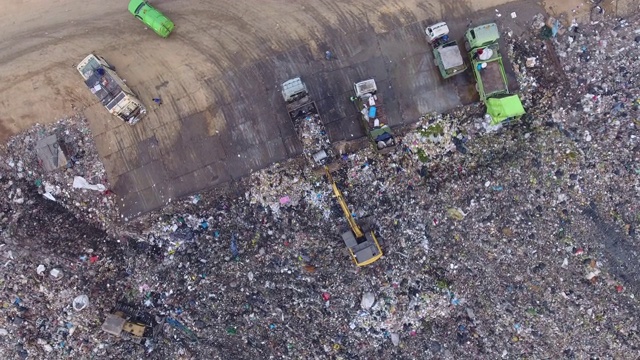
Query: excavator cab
pixel 363 246
pixel 364 250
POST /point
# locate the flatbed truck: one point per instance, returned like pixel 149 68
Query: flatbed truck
pixel 372 115
pixel 110 89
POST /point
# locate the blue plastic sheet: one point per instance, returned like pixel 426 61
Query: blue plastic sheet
pixel 372 112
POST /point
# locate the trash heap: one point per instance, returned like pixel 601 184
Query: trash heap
pixel 60 162
pixel 520 242
pixel 313 136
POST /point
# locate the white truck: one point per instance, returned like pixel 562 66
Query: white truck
pixel 109 88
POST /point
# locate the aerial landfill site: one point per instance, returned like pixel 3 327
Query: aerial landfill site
pixel 509 240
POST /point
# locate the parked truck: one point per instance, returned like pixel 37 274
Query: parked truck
pixel 446 52
pixel 110 89
pixel 372 115
pixel 307 122
pixel 492 85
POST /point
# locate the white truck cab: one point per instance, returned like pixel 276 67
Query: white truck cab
pixel 436 31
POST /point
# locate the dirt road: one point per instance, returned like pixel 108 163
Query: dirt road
pixel 42 40
pixel 218 75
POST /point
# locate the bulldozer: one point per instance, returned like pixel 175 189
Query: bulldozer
pixel 363 246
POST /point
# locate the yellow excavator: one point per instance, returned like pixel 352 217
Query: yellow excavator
pixel 363 246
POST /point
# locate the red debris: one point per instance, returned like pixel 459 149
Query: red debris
pixel 326 296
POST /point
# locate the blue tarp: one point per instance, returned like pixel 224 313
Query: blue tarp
pixel 372 112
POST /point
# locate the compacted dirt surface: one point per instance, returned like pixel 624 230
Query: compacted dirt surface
pixel 41 41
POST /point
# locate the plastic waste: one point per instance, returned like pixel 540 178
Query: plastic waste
pixel 368 299
pixel 234 246
pixel 80 302
pixel 81 183
pixel 56 274
pixel 395 339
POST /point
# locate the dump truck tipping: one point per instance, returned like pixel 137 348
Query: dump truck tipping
pixel 491 78
pixel 307 122
pixel 112 92
pixel 372 115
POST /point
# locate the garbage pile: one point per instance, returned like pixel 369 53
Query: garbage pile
pixel 60 162
pixel 515 243
pixel 313 136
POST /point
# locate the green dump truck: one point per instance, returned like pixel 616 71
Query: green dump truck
pixel 492 85
pixel 372 115
pixel 151 17
pixel 446 52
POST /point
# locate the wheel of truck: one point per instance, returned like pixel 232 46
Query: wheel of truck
pixel 111 67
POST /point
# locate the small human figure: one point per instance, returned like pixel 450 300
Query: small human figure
pixel 328 55
pixel 157 101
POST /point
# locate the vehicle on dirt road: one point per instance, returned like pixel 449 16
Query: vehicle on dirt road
pixel 151 17
pixel 307 122
pixel 110 89
pixel 492 85
pixel 445 52
pixel 372 115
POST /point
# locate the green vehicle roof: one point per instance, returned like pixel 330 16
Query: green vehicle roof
pixel 151 17
pixel 483 35
pixel 503 107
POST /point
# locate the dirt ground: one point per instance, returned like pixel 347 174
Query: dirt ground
pixel 42 40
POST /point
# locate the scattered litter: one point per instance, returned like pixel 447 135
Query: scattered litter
pixel 80 302
pixel 81 183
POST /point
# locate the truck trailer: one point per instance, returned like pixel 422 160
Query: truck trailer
pixel 372 115
pixel 109 88
pixel 492 85
pixel 307 122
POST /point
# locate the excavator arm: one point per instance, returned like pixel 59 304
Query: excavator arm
pixel 343 204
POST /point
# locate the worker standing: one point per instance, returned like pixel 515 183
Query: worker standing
pixel 328 55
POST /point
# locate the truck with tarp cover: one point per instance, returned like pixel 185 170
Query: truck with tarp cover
pixel 446 52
